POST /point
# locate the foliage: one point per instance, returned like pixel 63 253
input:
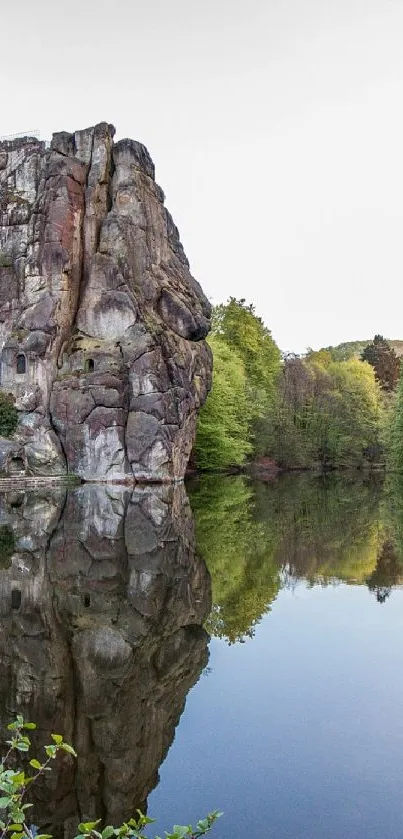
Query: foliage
pixel 321 357
pixel 329 410
pixel 14 784
pixel 8 414
pixel 385 362
pixel 396 432
pixel 245 372
pixel 7 545
pixel 223 427
pixel 245 333
pixel 328 414
pixel 357 419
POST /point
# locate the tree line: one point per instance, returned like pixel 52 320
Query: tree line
pixel 327 409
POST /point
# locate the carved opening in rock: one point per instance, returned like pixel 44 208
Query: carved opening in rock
pixel 89 365
pixel 87 600
pixel 16 465
pixel 15 598
pixel 21 363
pixel 16 500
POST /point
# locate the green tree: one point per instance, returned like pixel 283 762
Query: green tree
pixel 284 430
pixel 246 366
pixel 223 426
pixel 328 414
pixel 385 362
pixel 358 413
pixel 8 414
pixel 396 433
pixel 245 333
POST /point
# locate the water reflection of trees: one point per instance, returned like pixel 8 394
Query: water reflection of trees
pixel 105 639
pixel 238 549
pixel 387 573
pixel 327 526
pixel 322 529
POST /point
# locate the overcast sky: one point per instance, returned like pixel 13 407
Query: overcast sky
pixel 276 128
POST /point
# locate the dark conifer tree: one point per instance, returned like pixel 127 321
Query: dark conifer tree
pixel 385 362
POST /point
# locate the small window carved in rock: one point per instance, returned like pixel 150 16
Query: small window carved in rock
pixel 16 500
pixel 16 465
pixel 89 365
pixel 15 598
pixel 21 363
pixel 87 600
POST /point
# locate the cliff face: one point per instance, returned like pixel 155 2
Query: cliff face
pixel 101 322
pixel 101 638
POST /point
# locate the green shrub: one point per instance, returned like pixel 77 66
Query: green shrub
pixel 7 546
pixel 8 414
pixel 14 808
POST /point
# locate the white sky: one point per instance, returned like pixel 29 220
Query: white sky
pixel 276 127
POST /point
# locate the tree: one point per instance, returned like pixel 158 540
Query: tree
pixel 396 435
pixel 223 426
pixel 245 333
pixel 357 416
pixel 385 362
pixel 284 431
pixel 327 414
pixel 246 366
pixel 322 357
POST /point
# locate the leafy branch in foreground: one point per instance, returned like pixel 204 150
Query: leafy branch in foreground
pixel 14 783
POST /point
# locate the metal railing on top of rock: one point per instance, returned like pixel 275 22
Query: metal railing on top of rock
pixel 29 135
pixel 24 135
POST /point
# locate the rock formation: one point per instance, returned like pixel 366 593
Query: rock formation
pixel 101 638
pixel 101 322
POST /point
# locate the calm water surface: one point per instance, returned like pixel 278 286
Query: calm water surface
pixel 245 649
pixel 296 731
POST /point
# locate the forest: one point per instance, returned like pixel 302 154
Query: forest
pixel 336 408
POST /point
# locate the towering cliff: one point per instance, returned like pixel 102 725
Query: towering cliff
pixel 101 322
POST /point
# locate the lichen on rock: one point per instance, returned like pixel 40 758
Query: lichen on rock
pixel 102 325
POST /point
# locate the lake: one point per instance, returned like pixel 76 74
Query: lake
pixel 237 646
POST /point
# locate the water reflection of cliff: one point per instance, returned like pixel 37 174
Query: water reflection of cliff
pixel 101 637
pixel 259 537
